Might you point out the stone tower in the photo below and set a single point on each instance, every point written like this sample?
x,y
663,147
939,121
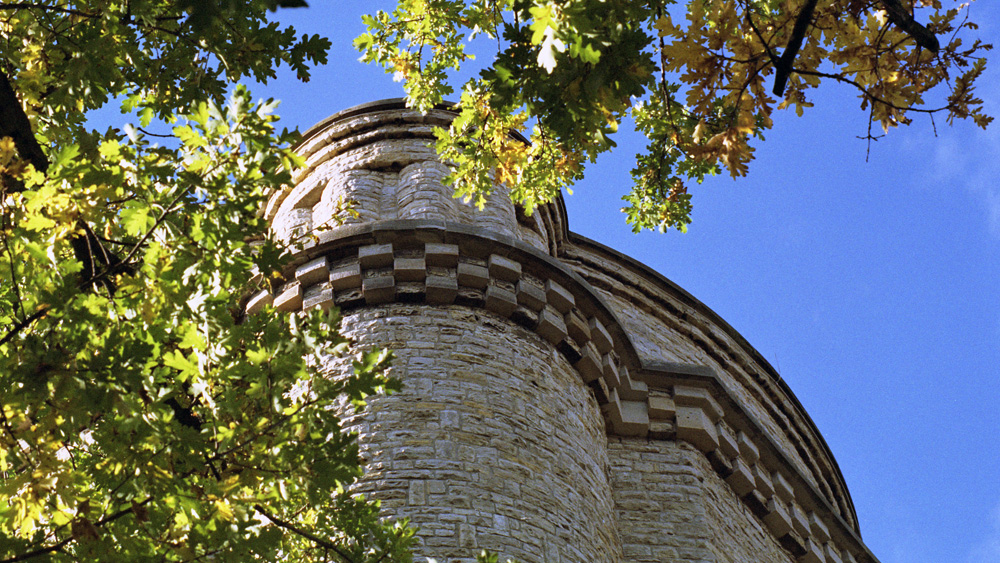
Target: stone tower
x,y
562,402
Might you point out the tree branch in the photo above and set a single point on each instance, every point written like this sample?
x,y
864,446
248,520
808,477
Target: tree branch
x,y
783,68
14,124
57,546
903,19
21,326
295,530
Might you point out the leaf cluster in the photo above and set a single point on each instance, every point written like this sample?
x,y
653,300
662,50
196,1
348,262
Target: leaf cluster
x,y
144,416
692,76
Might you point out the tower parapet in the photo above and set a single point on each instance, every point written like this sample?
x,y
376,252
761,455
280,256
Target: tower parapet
x,y
561,402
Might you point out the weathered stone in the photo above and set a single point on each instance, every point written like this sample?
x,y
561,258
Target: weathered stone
x,y
610,370
313,272
799,520
661,407
778,520
782,487
317,296
748,449
500,301
471,275
530,295
439,254
375,256
589,364
814,552
818,528
259,301
698,397
409,269
831,553
290,299
763,479
379,289
600,335
551,326
441,290
559,297
727,441
504,268
741,479
346,277
577,327
696,427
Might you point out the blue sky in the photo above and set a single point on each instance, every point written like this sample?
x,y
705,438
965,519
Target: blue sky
x,y
873,288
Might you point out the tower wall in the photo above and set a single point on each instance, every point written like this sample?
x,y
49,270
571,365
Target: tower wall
x,y
561,402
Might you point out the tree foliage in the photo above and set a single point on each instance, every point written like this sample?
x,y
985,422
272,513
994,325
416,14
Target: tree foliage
x,y
694,77
144,417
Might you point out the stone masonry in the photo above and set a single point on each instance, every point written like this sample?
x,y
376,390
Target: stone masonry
x,y
562,402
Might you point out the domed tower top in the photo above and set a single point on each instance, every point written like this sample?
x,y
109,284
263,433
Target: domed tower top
x,y
380,157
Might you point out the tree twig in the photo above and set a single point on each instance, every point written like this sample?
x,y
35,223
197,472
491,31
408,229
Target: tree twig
x,y
298,531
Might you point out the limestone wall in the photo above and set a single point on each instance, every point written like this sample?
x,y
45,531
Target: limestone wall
x,y
494,441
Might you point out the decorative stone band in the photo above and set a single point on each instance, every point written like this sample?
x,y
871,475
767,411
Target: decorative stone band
x,y
441,263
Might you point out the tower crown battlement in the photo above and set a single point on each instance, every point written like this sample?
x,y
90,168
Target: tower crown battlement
x,y
561,402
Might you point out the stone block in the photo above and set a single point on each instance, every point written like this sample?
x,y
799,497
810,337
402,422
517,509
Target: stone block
x,y
748,449
777,520
720,463
793,543
661,407
409,269
741,480
628,418
381,289
442,255
763,478
600,335
346,277
610,369
259,301
589,364
698,397
819,529
601,391
500,301
799,520
814,552
848,557
661,430
441,290
782,487
559,297
375,256
417,494
530,295
551,326
471,275
313,272
504,268
631,389
577,327
756,503
290,299
315,296
696,427
727,441
831,553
